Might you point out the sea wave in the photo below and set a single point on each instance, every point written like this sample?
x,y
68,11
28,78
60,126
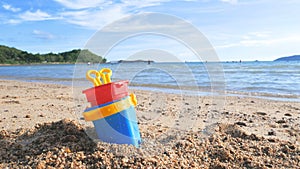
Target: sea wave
x,y
266,79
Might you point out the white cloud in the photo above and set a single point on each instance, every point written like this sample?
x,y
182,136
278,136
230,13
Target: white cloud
x,y
43,35
10,8
94,19
261,39
270,41
253,42
13,21
251,35
142,4
257,39
84,4
96,14
147,23
230,1
229,45
36,16
81,4
89,14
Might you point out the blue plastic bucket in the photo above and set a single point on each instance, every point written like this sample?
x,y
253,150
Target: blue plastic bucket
x,y
119,128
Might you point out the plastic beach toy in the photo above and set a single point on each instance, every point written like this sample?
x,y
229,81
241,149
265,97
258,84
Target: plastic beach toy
x,y
112,111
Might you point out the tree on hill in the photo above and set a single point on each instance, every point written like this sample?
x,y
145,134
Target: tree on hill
x,y
9,55
87,56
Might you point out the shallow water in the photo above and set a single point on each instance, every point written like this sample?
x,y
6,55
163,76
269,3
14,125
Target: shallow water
x,y
279,80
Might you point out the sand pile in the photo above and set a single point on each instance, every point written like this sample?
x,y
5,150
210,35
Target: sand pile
x,y
64,144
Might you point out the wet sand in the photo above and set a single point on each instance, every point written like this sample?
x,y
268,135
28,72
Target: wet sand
x,y
40,127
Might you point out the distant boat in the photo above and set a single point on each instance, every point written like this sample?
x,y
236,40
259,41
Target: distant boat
x,y
136,61
113,62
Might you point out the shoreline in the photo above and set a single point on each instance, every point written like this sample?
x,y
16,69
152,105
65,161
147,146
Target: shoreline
x,y
170,89
37,64
244,131
45,64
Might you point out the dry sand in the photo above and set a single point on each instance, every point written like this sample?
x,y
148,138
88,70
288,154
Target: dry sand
x,y
40,127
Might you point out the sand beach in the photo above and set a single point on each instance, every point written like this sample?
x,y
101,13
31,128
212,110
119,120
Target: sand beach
x,y
40,127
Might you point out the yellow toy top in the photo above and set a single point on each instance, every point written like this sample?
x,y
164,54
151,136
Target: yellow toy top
x,y
101,77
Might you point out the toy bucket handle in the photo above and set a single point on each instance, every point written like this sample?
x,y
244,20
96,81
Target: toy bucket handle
x,y
95,80
105,75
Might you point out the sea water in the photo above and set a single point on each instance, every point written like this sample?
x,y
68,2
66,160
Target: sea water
x,y
268,79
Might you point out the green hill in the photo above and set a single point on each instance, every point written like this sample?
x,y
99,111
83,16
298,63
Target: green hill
x,y
289,58
9,55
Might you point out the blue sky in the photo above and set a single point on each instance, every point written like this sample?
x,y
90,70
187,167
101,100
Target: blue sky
x,y
237,29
